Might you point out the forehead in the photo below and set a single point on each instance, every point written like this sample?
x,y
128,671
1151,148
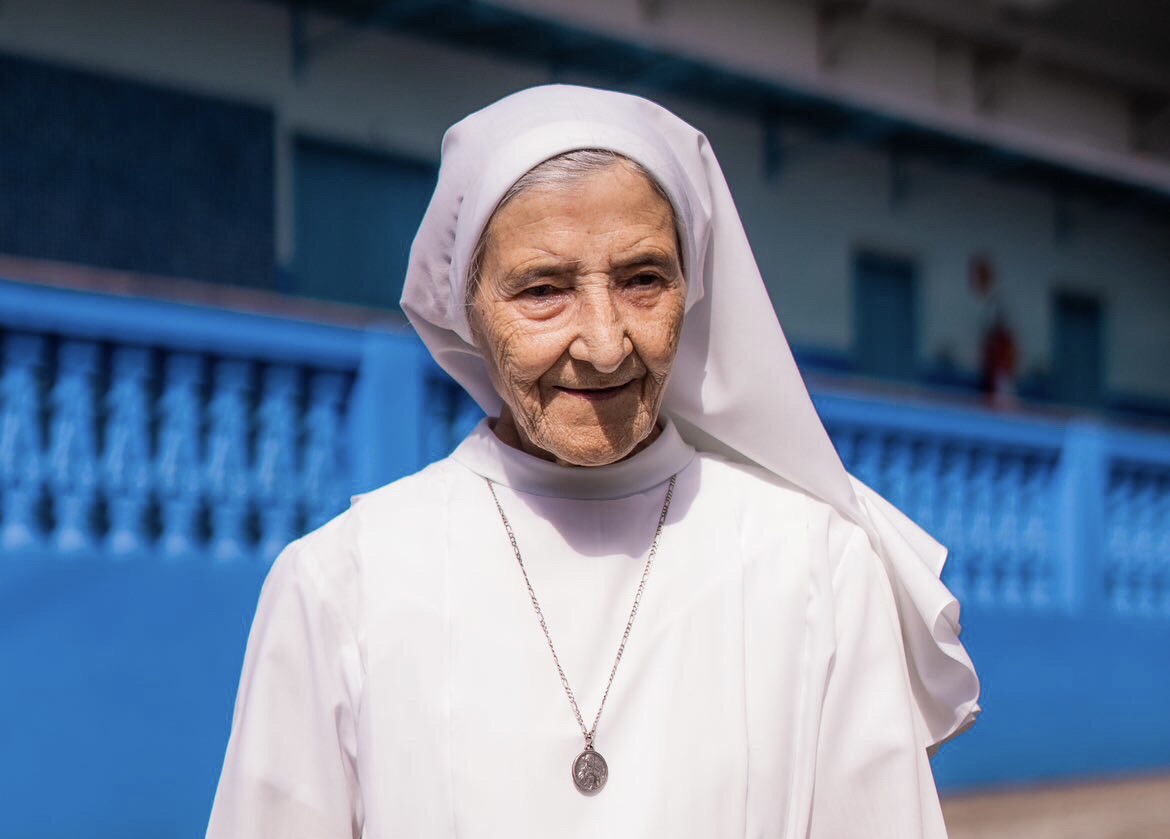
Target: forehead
x,y
614,205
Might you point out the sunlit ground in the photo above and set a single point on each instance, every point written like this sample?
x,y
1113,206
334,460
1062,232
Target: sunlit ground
x,y
1132,809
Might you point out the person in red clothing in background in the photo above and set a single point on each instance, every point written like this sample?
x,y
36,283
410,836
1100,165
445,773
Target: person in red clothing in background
x,y
999,352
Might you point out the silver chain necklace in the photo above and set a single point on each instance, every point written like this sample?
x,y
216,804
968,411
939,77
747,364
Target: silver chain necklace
x,y
590,771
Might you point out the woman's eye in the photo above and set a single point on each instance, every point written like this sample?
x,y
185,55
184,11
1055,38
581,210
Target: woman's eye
x,y
540,291
644,280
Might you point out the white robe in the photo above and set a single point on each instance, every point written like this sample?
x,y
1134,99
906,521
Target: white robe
x,y
397,682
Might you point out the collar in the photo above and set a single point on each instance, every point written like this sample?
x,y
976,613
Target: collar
x,y
486,455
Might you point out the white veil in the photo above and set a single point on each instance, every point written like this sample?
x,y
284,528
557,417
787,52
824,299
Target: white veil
x,y
735,389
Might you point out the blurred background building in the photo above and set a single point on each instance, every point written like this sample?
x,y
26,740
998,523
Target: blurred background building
x,y
961,209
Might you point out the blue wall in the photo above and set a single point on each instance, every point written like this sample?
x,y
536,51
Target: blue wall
x,y
1064,697
118,689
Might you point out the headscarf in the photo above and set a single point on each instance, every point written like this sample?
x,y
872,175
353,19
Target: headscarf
x,y
735,389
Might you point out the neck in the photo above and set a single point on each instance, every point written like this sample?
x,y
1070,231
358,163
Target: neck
x,y
510,433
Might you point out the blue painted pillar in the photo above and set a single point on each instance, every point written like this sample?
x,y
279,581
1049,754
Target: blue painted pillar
x,y
1080,517
387,413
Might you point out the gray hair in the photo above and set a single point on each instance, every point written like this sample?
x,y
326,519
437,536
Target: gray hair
x,y
563,170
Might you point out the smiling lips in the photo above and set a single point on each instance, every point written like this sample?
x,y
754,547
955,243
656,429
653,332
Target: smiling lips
x,y
596,394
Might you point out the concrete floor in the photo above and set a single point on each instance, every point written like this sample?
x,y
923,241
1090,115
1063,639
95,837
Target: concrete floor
x,y
1128,809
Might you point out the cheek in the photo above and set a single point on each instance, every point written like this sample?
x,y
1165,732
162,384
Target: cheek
x,y
660,338
520,356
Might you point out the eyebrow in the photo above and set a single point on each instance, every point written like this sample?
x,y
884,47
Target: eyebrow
x,y
661,261
554,270
543,272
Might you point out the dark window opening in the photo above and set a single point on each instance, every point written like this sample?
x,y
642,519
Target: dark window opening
x,y
885,316
356,216
1077,347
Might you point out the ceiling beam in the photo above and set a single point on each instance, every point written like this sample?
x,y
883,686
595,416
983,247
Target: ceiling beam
x,y
983,25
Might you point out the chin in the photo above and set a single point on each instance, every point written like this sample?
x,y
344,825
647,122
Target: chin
x,y
593,448
592,457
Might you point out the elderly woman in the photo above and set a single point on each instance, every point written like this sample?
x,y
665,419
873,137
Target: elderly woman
x,y
643,599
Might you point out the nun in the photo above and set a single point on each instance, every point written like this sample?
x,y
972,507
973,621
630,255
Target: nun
x,y
643,598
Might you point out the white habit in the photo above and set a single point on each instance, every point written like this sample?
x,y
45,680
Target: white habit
x,y
794,655
397,682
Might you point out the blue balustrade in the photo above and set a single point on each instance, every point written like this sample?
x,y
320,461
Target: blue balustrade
x,y
134,428
983,485
154,458
21,441
1136,525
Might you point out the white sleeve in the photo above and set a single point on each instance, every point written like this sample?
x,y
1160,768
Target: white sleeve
x,y
291,765
873,777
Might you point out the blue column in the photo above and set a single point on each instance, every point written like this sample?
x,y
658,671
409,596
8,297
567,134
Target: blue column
x,y
1080,549
325,466
387,414
227,466
22,455
72,455
274,467
125,462
178,465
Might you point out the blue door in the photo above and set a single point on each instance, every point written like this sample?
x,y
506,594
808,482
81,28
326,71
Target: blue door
x,y
1077,344
885,316
356,215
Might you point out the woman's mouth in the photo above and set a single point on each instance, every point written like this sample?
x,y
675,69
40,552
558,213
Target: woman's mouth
x,y
597,394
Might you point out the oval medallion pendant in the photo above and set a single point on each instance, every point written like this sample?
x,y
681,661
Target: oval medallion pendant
x,y
590,771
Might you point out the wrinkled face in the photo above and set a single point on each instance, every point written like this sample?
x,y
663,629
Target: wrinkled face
x,y
578,312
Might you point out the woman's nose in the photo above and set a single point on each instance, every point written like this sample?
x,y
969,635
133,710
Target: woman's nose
x,y
601,336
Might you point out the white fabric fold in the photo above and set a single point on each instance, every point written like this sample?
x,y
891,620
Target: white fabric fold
x,y
735,389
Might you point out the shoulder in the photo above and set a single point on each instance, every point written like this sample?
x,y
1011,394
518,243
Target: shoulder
x,y
407,495
747,483
379,524
761,500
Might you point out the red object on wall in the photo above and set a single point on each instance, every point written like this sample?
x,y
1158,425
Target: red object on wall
x,y
981,275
